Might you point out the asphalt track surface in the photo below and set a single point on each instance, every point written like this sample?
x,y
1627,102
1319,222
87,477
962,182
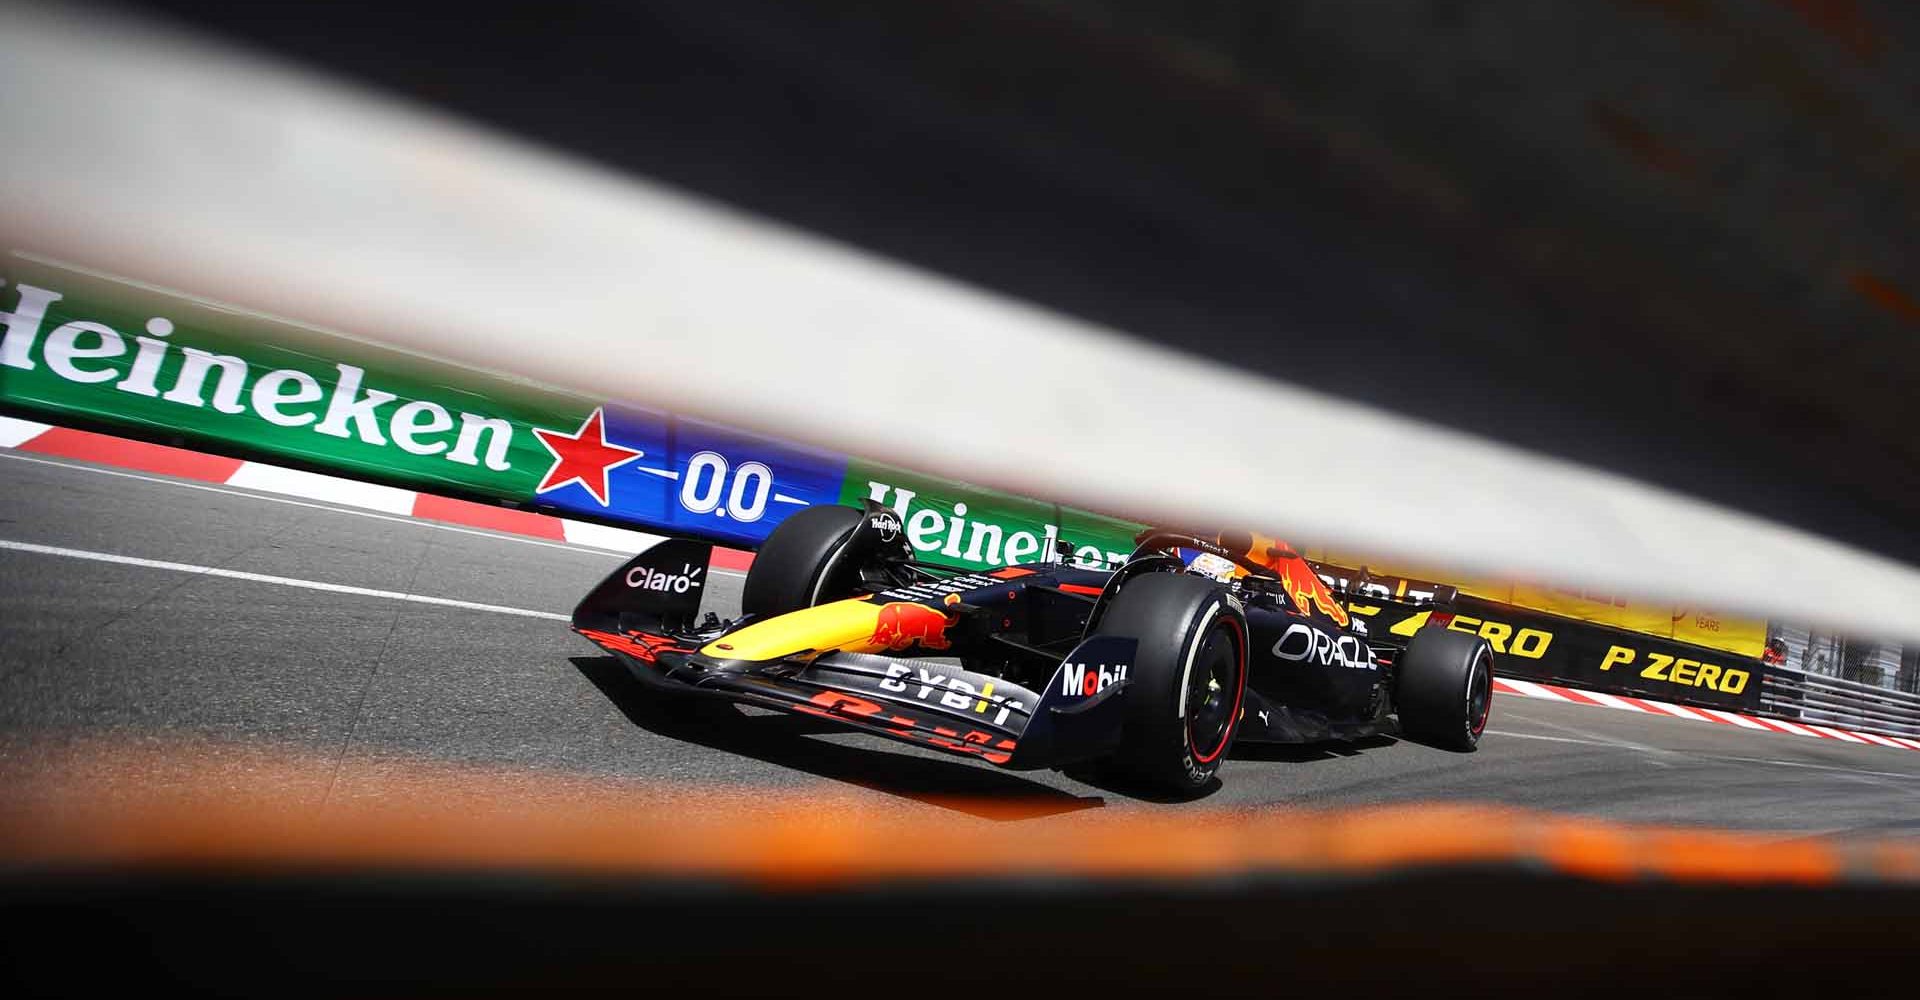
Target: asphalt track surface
x,y
349,640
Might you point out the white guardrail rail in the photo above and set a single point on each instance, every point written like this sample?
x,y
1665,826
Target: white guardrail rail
x,y
1799,696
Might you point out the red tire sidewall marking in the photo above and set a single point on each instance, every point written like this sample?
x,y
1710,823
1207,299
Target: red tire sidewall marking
x,y
1481,656
1239,696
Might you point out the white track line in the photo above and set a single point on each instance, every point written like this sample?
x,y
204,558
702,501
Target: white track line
x,y
1821,767
584,545
333,588
1509,734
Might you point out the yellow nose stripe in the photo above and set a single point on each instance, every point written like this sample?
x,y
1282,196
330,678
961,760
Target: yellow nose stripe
x,y
841,625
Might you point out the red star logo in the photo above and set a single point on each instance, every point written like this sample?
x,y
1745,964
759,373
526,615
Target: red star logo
x,y
583,457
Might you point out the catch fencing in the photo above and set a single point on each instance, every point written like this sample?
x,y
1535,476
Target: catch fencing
x,y
1803,697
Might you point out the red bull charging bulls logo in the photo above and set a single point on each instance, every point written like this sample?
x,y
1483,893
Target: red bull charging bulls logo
x,y
903,623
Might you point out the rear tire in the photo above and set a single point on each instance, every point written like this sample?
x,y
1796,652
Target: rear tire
x,y
796,566
1187,683
1445,688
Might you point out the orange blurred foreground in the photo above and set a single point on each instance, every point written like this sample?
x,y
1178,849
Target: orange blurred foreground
x,y
221,806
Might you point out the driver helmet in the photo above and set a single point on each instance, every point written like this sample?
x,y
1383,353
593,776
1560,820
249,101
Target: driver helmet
x,y
1213,567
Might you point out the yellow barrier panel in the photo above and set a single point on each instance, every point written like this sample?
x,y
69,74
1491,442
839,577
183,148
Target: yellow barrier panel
x,y
1697,626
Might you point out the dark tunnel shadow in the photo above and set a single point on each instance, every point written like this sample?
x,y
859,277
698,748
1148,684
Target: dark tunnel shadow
x,y
1108,780
783,740
1099,774
1307,753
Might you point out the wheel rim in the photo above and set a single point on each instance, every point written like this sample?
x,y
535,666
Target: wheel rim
x,y
1479,694
1214,689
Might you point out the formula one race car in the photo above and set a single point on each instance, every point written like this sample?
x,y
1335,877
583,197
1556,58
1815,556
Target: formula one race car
x,y
1155,666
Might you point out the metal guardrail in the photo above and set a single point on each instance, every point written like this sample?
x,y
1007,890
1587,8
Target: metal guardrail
x,y
1799,696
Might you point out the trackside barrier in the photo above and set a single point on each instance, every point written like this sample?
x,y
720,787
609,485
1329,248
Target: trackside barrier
x,y
79,347
1800,696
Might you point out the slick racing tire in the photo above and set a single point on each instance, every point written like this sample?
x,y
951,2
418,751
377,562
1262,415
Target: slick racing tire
x,y
1187,682
1445,688
796,566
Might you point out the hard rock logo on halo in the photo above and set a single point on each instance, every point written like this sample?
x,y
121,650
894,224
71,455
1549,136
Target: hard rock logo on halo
x,y
904,623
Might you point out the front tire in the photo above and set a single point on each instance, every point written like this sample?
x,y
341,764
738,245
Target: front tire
x,y
1445,688
1187,683
796,566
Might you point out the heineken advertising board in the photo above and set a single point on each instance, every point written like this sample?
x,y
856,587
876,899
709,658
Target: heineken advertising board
x,y
955,524
161,365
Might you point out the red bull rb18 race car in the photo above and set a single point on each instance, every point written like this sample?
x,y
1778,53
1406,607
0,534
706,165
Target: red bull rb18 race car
x,y
1154,666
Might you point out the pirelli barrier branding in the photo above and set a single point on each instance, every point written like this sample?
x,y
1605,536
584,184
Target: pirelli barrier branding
x,y
1687,625
1531,645
1609,659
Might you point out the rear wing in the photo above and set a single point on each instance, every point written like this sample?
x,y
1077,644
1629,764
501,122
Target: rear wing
x,y
1363,585
1388,609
